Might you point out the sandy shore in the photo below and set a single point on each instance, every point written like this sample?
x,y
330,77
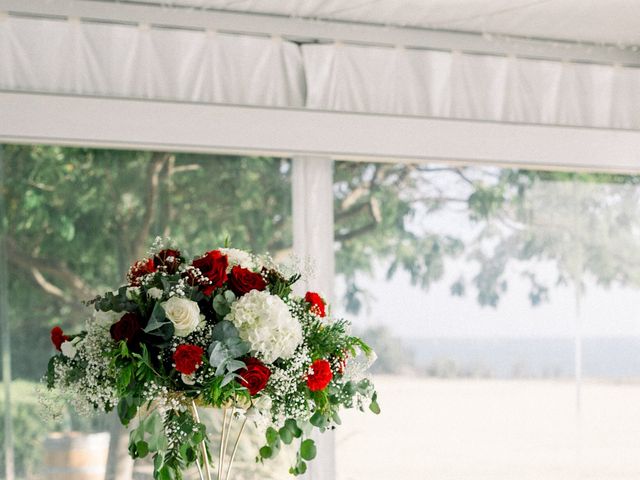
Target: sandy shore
x,y
493,430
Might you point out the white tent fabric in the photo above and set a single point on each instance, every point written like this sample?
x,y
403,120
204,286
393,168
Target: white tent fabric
x,y
601,21
481,87
126,61
72,57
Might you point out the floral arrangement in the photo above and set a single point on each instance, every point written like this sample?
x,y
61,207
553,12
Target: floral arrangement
x,y
223,331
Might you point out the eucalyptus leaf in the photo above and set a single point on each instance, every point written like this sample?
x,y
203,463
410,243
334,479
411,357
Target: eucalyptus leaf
x,y
157,321
218,353
227,379
220,305
224,330
235,365
237,347
272,436
266,452
308,449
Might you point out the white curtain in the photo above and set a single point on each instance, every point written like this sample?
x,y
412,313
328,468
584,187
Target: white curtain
x,y
126,61
480,87
136,62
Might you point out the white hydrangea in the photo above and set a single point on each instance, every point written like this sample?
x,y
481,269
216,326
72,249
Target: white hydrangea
x,y
238,257
265,322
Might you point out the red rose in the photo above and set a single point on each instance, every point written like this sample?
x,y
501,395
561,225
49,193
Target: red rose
x,y
167,258
316,302
213,266
255,377
139,270
320,375
128,328
188,358
243,280
58,337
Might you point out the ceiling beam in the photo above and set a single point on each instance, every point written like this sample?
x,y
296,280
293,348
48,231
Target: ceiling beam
x,y
212,128
310,30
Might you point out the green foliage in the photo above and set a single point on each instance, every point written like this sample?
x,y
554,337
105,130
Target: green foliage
x,y
82,216
278,285
329,339
578,222
226,347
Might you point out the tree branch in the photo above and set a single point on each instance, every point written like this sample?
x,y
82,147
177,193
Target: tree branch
x,y
343,237
158,160
57,270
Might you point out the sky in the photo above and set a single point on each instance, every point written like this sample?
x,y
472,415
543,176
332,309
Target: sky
x,y
411,312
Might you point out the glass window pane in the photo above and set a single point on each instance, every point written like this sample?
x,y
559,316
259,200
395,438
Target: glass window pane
x,y
503,307
76,219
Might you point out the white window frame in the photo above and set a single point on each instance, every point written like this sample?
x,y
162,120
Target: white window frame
x,y
313,139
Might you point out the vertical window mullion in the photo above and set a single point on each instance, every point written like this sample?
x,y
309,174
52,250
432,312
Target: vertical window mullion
x,y
312,198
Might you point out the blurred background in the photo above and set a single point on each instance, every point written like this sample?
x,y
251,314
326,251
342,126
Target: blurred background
x,y
465,175
502,303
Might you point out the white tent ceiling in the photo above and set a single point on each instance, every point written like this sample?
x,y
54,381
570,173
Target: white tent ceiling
x,y
359,79
614,22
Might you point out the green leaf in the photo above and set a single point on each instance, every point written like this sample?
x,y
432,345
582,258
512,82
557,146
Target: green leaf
x,y
158,461
123,408
318,420
374,407
51,372
336,418
266,452
158,323
235,365
188,453
308,449
286,435
291,424
272,436
221,305
224,331
142,449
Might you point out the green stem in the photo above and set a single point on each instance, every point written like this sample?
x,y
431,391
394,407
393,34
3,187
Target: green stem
x,y
203,447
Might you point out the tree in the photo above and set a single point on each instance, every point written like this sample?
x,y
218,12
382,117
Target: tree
x,y
78,217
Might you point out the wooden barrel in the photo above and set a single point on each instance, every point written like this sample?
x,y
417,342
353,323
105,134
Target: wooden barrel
x,y
75,456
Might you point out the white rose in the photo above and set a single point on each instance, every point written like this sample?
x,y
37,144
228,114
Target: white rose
x,y
68,348
183,313
155,293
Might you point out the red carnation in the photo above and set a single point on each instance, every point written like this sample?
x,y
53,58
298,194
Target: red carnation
x,y
139,270
58,337
167,258
188,358
243,280
128,328
213,266
317,304
320,375
255,376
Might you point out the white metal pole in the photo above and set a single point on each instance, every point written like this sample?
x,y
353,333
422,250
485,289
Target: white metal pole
x,y
5,333
312,197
